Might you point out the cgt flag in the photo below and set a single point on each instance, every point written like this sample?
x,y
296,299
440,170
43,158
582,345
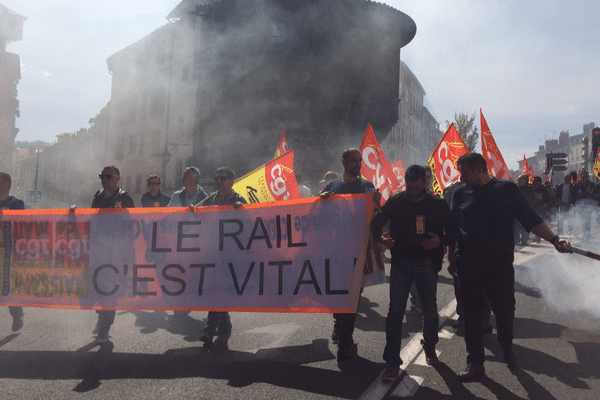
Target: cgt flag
x,y
549,177
282,148
491,152
443,160
596,169
271,182
375,166
398,168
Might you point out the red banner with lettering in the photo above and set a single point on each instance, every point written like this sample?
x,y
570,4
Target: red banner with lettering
x,y
283,147
272,181
375,167
399,171
491,152
443,160
269,257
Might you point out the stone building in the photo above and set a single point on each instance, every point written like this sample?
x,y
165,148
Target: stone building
x,y
219,83
566,143
417,132
11,29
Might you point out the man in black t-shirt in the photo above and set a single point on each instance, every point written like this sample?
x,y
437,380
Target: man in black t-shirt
x,y
111,196
8,202
350,183
420,227
485,209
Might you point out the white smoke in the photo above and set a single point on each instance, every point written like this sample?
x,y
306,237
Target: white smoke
x,y
570,283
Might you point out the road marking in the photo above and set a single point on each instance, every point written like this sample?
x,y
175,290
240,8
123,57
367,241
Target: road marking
x,y
378,389
408,386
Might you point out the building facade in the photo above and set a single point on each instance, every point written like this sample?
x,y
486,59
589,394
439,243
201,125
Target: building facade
x,y
11,29
415,135
571,145
219,83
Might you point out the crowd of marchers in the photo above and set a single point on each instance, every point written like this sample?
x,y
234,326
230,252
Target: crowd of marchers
x,y
473,225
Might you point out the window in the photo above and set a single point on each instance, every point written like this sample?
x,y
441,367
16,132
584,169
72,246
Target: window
x,y
185,73
156,143
141,146
138,183
132,145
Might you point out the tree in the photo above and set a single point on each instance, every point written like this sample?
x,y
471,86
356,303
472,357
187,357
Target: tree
x,y
465,125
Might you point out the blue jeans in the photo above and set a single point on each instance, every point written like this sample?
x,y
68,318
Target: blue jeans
x,y
404,272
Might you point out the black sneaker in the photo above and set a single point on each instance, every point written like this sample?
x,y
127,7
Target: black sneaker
x,y
474,373
207,338
431,356
335,336
511,360
344,354
390,375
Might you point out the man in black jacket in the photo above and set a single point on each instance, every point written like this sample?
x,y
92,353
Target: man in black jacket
x,y
111,196
420,224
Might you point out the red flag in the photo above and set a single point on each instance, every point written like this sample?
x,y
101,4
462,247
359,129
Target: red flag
x,y
283,146
579,175
549,177
491,152
596,169
375,166
398,168
443,160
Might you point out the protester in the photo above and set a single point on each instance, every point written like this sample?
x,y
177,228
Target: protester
x,y
564,196
485,208
8,202
521,235
350,183
191,193
304,190
220,322
420,225
111,196
155,197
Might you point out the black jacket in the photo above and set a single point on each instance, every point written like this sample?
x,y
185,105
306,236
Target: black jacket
x,y
402,213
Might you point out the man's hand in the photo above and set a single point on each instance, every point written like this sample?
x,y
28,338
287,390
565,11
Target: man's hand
x,y
377,197
237,205
562,246
387,240
72,209
452,269
325,195
432,243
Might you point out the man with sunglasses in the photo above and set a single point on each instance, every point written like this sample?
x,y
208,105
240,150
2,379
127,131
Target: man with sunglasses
x,y
219,322
155,197
111,196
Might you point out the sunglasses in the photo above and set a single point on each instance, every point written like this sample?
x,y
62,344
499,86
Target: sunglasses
x,y
221,178
108,177
153,183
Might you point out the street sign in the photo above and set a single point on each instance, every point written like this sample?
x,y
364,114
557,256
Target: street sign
x,y
556,162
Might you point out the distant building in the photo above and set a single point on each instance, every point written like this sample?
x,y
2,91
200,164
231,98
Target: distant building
x,y
11,29
220,82
417,132
567,144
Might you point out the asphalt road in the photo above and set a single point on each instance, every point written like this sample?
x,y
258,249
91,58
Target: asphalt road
x,y
152,355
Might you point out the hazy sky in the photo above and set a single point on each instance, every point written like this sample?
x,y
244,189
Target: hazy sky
x,y
532,66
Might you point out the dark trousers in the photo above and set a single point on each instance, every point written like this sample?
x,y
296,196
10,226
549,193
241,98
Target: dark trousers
x,y
105,320
497,281
344,325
